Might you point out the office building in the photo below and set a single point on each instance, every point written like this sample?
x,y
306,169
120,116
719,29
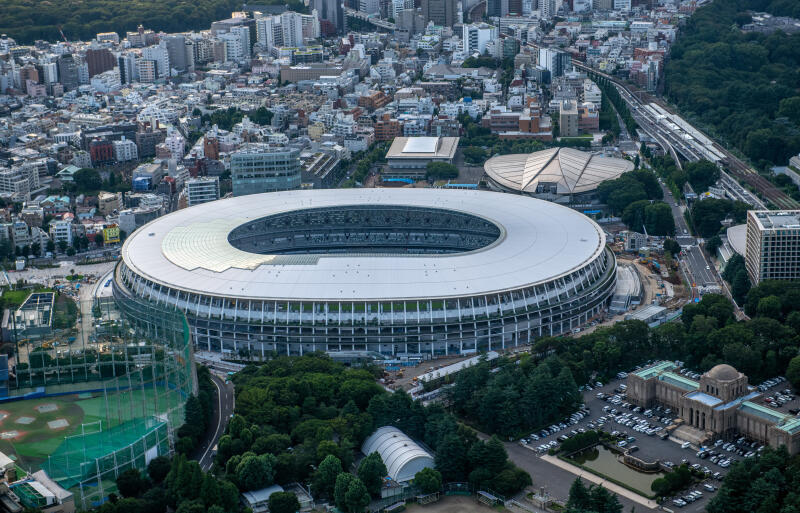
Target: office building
x,y
257,168
175,45
773,245
622,5
202,190
331,15
476,36
555,61
369,6
68,72
440,12
497,8
568,118
99,60
721,404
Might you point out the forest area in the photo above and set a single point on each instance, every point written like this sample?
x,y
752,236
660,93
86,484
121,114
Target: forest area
x,y
29,20
742,86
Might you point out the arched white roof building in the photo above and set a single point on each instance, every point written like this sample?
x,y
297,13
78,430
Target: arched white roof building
x,y
556,171
402,456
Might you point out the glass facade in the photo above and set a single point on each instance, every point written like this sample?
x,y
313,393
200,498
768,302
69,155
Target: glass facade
x,y
259,168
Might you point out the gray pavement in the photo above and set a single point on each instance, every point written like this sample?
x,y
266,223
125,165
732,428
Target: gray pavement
x,y
557,480
703,274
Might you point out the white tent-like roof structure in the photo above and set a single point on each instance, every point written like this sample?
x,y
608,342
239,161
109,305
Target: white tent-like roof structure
x,y
572,171
402,456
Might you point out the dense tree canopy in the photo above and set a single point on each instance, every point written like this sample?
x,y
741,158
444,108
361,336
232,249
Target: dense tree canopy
x,y
742,85
27,21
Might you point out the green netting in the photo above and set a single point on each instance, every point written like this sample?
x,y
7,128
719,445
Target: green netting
x,y
86,457
130,364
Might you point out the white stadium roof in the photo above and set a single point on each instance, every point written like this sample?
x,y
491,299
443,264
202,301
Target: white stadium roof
x,y
189,249
573,171
402,456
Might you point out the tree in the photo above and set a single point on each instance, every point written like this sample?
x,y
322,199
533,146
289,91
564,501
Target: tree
x,y
62,245
770,306
255,472
430,480
343,482
87,180
283,502
713,244
702,174
130,483
50,246
158,468
70,251
371,471
440,171
325,476
357,496
36,249
672,246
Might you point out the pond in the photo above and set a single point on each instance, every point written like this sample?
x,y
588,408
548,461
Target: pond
x,y
604,461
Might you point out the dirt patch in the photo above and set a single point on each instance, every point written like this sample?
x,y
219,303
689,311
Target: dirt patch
x,y
8,435
452,504
24,420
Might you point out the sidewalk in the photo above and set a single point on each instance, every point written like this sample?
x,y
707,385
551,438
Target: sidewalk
x,y
599,480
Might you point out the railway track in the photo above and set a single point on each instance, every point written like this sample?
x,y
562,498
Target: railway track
x,y
734,166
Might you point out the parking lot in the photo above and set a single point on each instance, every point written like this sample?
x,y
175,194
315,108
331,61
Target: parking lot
x,y
607,410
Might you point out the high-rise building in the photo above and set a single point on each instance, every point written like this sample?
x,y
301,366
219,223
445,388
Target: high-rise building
x,y
515,7
331,15
476,36
68,72
176,50
257,168
496,8
202,190
159,55
237,44
440,12
128,72
99,60
568,118
369,6
773,245
555,61
547,9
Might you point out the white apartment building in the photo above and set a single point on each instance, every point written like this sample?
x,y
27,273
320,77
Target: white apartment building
x,y
202,190
19,181
176,144
125,150
622,5
61,231
476,36
592,93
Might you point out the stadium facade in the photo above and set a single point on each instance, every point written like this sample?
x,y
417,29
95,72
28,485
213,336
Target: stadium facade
x,y
386,270
562,175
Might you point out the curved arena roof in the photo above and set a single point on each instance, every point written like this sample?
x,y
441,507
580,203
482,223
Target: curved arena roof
x,y
191,250
573,171
402,456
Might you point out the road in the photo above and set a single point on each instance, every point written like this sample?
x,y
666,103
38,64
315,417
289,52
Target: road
x,y
701,272
223,409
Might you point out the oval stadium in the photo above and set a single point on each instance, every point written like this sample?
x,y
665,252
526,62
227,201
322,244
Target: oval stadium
x,y
381,270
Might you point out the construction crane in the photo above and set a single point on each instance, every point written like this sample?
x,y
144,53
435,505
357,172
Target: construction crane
x,y
62,34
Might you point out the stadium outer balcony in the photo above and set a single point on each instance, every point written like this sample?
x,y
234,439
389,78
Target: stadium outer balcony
x,y
443,326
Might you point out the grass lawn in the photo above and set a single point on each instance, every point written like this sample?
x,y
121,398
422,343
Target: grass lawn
x,y
17,297
37,440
